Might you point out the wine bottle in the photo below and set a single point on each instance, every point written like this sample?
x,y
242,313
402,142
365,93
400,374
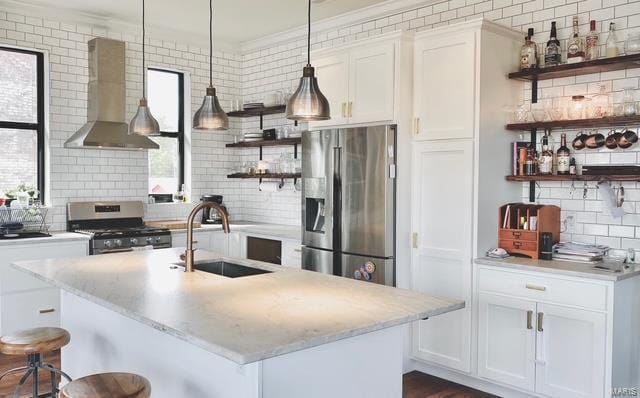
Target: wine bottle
x,y
564,156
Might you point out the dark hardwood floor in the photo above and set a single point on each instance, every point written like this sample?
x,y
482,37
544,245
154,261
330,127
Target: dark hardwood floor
x,y
9,383
420,385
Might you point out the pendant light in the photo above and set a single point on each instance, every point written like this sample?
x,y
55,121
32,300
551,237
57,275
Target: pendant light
x,y
210,116
308,103
143,123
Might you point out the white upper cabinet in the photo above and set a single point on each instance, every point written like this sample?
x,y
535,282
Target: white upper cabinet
x,y
332,73
360,80
444,81
371,84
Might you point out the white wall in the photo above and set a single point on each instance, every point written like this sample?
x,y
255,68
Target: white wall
x,y
264,66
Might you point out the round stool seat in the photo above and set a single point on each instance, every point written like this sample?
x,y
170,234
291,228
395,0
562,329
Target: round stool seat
x,y
108,385
33,341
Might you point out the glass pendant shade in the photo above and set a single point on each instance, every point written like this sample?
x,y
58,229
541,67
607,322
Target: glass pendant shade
x,y
308,103
143,123
210,116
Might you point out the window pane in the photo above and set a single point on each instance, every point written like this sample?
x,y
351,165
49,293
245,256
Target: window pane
x,y
164,99
164,166
18,87
18,159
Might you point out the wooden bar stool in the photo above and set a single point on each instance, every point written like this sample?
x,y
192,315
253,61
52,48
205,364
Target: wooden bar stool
x,y
108,385
33,343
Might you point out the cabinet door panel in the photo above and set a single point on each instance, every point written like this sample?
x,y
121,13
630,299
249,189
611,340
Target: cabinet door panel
x,y
371,84
202,240
444,81
441,258
570,352
504,322
26,310
333,79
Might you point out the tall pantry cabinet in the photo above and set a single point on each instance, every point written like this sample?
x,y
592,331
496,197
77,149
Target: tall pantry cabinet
x,y
459,162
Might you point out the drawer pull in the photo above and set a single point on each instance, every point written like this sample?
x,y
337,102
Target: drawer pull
x,y
47,311
517,245
516,234
540,320
297,250
536,287
529,319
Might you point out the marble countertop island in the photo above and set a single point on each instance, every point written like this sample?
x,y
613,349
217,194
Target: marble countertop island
x,y
245,319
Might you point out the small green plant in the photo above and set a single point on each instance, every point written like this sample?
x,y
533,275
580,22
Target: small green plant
x,y
22,187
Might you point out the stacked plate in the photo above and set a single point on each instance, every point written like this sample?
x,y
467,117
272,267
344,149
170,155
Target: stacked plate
x,y
253,136
253,105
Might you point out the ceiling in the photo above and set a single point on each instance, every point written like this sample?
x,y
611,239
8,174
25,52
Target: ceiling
x,y
235,21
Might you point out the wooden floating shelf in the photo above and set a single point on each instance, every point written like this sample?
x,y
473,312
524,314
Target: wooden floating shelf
x,y
541,178
580,68
267,110
267,175
613,121
256,144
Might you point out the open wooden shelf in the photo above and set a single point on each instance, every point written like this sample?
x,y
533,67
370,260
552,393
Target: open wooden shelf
x,y
267,110
278,176
256,144
580,68
619,178
613,121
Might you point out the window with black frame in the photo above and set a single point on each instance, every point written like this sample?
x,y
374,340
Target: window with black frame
x,y
21,123
165,93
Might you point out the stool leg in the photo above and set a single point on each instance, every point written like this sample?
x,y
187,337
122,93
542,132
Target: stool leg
x,y
14,370
22,381
50,368
54,385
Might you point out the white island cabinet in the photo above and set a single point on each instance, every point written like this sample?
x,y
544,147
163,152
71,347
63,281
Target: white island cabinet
x,y
286,333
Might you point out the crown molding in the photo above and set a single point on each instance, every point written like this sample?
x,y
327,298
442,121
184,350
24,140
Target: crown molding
x,y
366,14
112,24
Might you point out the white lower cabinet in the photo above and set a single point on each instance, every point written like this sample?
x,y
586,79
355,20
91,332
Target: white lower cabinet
x,y
202,239
291,254
551,349
26,302
506,322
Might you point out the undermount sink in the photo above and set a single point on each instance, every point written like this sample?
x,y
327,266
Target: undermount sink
x,y
229,270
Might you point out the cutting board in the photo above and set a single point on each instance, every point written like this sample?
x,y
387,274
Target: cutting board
x,y
171,224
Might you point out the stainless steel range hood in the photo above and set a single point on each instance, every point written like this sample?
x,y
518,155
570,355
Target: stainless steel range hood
x,y
105,127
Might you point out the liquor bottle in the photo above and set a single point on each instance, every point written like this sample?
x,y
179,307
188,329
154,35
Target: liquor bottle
x,y
575,46
528,52
612,41
530,163
564,156
554,54
545,162
572,166
592,50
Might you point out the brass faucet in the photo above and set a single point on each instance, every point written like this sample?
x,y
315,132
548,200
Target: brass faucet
x,y
188,253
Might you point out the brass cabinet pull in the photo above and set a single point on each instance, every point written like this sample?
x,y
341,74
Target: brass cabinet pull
x,y
535,287
417,126
344,109
540,320
350,109
529,319
47,311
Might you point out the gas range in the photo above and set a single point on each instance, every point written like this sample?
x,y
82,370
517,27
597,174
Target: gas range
x,y
115,227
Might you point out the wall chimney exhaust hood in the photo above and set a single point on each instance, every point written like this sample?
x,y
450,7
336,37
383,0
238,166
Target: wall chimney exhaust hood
x,y
106,127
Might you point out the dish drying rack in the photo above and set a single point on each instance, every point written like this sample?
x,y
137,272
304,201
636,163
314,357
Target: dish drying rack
x,y
32,219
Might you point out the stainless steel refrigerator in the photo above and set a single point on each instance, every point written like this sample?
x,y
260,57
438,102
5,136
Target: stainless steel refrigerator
x,y
348,202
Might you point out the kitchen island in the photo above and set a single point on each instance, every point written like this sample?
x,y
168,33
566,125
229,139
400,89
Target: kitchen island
x,y
286,333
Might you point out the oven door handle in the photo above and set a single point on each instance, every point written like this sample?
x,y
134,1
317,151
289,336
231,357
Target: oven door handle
x,y
123,250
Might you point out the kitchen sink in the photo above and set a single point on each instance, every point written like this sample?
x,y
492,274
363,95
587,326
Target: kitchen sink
x,y
229,270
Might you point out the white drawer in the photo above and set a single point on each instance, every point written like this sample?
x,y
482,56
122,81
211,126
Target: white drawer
x,y
30,309
544,288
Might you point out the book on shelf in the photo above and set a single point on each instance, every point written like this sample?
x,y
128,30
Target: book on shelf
x,y
516,166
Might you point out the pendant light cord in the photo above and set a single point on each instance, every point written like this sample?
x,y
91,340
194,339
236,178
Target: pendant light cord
x,y
210,43
144,71
309,35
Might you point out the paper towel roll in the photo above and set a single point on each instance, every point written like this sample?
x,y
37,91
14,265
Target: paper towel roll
x,y
270,186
